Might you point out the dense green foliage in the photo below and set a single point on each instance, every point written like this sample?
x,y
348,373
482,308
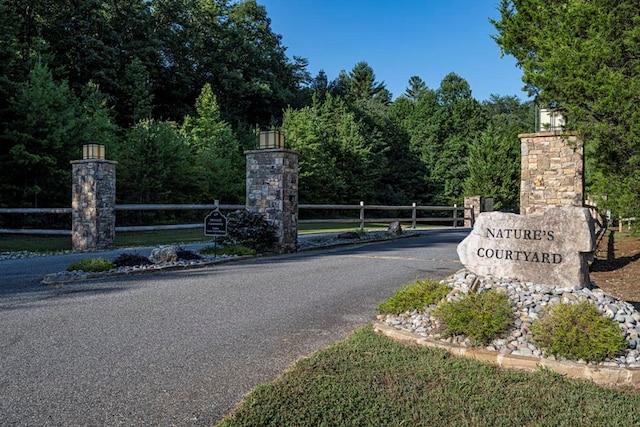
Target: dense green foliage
x,y
92,265
415,296
578,331
238,250
177,91
370,380
250,229
582,57
480,316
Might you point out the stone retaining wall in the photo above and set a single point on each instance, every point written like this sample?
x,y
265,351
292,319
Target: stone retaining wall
x,y
603,375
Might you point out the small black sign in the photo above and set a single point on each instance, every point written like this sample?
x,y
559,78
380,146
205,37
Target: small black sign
x,y
215,224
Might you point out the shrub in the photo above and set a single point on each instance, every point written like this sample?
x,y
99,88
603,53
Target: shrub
x,y
578,331
227,250
415,296
92,265
480,316
187,255
131,260
250,229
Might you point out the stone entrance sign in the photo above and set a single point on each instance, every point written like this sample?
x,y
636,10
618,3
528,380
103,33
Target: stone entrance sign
x,y
553,249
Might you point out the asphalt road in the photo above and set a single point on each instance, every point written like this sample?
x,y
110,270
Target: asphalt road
x,y
182,348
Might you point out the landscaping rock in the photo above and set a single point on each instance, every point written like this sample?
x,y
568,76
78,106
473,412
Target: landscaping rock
x,y
164,254
555,247
395,228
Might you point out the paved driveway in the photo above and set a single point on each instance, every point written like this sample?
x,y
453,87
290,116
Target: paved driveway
x,y
183,347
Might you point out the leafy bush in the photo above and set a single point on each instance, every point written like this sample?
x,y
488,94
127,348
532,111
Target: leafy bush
x,y
415,296
92,265
238,250
578,331
480,316
131,260
187,255
250,229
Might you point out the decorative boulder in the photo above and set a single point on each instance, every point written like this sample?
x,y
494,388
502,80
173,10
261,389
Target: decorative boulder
x,y
554,248
164,254
395,228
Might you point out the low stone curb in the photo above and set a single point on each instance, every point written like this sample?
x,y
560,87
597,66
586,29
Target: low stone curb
x,y
56,279
602,375
330,245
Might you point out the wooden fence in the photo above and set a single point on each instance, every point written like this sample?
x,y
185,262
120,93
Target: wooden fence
x,y
454,218
621,222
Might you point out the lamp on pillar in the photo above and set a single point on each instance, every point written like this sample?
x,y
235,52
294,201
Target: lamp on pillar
x,y
271,139
93,151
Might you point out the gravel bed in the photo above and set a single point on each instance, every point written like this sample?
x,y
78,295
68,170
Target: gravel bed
x,y
529,300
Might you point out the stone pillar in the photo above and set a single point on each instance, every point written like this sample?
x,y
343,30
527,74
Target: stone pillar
x,y
93,204
272,189
479,204
552,171
474,202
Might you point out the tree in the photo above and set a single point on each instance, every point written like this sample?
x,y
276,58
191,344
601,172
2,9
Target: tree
x,y
220,163
336,164
416,88
458,120
582,55
494,168
361,84
38,146
155,165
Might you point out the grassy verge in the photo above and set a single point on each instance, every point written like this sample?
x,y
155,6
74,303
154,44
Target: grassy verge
x,y
19,242
369,379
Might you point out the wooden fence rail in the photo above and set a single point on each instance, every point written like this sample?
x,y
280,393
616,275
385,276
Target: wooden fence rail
x,y
454,218
621,222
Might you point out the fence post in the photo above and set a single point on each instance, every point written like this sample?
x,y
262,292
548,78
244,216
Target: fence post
x,y
413,216
361,216
455,215
619,224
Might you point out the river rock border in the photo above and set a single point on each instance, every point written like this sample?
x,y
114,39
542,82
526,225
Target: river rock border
x,y
515,349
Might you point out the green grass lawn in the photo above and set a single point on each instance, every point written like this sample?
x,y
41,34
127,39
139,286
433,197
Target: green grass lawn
x,y
370,380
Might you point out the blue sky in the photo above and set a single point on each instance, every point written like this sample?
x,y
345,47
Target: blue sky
x,y
399,39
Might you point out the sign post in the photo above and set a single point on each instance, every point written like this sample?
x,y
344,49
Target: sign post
x,y
215,224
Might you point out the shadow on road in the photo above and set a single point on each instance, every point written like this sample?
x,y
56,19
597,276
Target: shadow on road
x,y
18,293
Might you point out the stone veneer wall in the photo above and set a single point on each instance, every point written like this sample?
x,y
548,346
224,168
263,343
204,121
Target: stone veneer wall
x,y
93,204
552,171
478,204
272,189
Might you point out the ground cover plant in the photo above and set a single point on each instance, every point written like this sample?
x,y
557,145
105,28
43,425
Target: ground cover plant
x,y
369,379
238,250
578,331
480,316
415,296
92,265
